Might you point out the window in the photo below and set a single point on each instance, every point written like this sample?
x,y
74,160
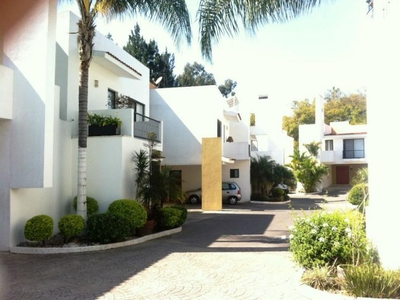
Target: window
x,y
234,173
112,95
329,145
353,148
219,128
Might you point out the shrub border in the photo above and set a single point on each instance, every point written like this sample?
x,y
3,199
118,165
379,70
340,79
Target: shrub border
x,y
57,250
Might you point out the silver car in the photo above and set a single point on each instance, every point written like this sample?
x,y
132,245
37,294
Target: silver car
x,y
231,193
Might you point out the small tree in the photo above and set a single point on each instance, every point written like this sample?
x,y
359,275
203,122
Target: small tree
x,y
307,170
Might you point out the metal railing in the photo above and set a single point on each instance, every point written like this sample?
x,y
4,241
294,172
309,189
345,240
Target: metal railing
x,y
144,125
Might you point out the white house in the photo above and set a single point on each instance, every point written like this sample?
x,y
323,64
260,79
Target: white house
x,y
38,117
267,136
192,113
343,147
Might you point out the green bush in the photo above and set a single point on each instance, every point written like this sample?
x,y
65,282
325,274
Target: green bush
x,y
131,210
39,228
71,225
372,281
108,228
170,218
327,238
358,193
183,215
278,192
92,205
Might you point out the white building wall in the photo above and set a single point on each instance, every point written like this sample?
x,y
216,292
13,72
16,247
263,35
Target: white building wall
x,y
244,177
383,221
27,151
188,114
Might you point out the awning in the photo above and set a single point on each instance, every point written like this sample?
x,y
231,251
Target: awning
x,y
232,116
115,65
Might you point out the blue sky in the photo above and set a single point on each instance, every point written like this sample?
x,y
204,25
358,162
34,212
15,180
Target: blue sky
x,y
300,59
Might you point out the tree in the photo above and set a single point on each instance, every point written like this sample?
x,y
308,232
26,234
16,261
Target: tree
x,y
160,65
195,75
227,88
265,174
307,170
220,18
338,106
313,148
173,15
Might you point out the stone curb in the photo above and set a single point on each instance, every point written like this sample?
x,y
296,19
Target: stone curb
x,y
58,250
270,202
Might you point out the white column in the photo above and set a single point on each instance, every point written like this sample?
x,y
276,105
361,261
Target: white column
x,y
383,221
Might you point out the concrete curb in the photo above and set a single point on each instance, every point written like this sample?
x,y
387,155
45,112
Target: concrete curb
x,y
58,250
270,202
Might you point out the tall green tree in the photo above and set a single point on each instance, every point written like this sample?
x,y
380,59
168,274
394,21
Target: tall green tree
x,y
173,15
227,88
195,75
307,170
338,106
160,64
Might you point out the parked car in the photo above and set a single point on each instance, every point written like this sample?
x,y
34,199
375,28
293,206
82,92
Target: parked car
x,y
283,187
231,194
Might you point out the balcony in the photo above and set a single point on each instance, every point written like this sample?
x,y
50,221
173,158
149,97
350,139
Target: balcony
x,y
6,92
134,124
236,150
327,157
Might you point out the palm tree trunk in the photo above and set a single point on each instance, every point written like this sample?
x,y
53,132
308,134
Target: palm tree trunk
x,y
85,45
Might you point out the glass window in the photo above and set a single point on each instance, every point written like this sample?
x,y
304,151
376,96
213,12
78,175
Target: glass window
x,y
112,95
329,145
353,148
234,173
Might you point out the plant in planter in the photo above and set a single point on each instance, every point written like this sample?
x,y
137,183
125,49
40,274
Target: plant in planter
x,y
103,125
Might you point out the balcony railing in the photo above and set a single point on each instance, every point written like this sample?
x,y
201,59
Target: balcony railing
x,y
353,154
145,125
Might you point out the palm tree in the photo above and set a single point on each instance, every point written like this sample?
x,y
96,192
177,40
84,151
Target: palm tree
x,y
172,14
220,17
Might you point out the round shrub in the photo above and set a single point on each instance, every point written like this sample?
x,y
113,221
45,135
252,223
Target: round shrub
x,y
327,238
131,210
107,228
357,194
92,205
183,215
39,228
170,217
278,192
71,225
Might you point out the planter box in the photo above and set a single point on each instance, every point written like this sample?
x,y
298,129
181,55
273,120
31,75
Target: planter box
x,y
95,130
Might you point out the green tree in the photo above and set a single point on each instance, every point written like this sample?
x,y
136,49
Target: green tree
x,y
313,148
227,88
173,15
195,75
160,64
266,173
338,106
307,170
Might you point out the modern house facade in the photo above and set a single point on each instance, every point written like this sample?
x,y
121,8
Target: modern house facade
x,y
343,147
267,136
190,114
39,111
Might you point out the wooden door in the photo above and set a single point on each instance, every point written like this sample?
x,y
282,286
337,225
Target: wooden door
x,y
342,175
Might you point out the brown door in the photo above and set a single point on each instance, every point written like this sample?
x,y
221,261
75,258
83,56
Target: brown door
x,y
342,175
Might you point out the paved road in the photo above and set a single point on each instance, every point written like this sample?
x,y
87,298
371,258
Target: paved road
x,y
234,254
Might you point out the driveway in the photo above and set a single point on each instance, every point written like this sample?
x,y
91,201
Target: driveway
x,y
237,253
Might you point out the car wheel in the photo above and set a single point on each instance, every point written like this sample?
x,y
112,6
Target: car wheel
x,y
232,200
193,199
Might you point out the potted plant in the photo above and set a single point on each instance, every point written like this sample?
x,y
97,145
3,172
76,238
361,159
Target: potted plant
x,y
103,125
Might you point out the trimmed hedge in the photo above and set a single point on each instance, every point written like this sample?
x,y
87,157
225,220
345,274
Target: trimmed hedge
x,y
71,225
39,228
183,216
357,194
131,210
92,205
108,228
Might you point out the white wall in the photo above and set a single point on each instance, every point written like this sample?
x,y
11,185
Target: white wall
x,y
383,220
189,114
244,177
